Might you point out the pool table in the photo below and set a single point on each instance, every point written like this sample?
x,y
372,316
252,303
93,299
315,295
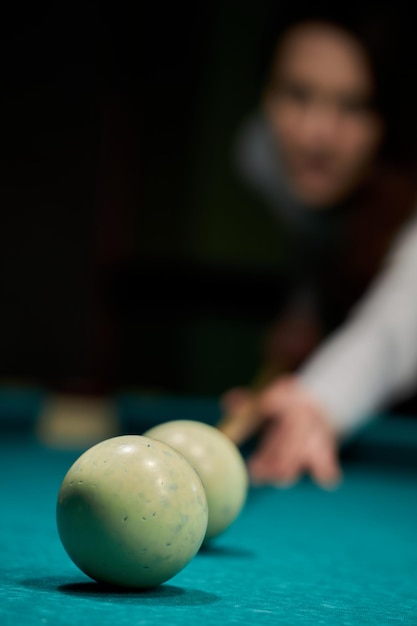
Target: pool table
x,y
295,556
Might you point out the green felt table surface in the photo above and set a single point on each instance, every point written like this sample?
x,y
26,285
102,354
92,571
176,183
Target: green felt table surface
x,y
294,556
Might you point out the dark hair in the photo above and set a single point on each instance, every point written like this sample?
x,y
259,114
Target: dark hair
x,y
387,39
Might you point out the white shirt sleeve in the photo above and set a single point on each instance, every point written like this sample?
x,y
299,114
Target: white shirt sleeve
x,y
372,359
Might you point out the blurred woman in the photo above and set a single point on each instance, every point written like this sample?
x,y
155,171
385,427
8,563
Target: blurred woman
x,y
328,154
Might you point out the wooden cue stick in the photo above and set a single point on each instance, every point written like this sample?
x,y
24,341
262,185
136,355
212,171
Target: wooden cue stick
x,y
244,421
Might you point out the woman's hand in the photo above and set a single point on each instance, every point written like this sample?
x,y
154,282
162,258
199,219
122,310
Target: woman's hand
x,y
296,437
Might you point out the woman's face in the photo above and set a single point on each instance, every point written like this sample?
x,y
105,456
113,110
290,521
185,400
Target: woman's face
x,y
318,106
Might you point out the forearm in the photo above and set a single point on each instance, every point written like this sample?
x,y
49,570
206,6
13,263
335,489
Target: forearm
x,y
372,359
349,378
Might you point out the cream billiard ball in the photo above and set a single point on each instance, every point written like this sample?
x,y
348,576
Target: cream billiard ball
x,y
219,464
131,511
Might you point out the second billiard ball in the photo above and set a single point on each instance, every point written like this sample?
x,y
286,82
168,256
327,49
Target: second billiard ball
x,y
219,464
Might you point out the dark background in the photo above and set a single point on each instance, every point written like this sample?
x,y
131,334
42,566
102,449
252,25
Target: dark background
x,y
131,255
117,163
